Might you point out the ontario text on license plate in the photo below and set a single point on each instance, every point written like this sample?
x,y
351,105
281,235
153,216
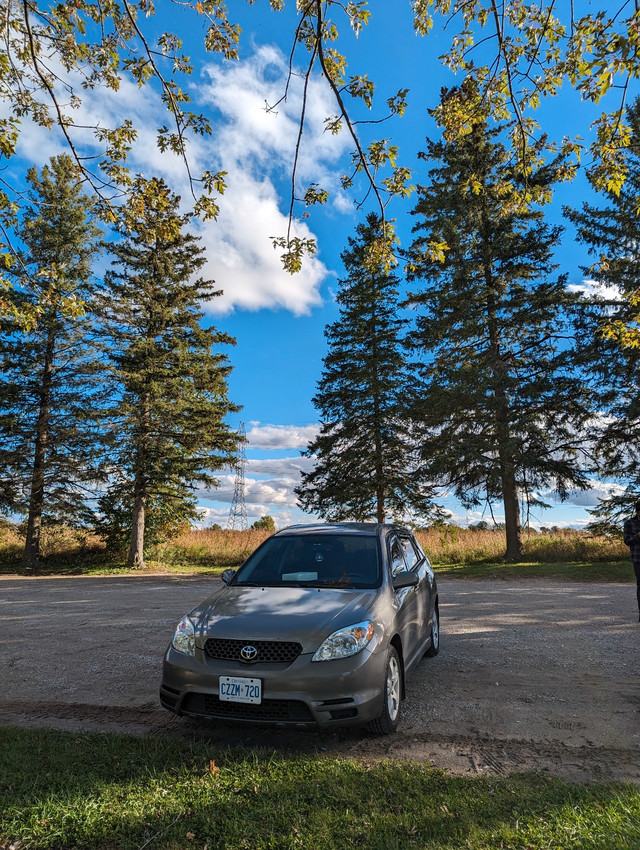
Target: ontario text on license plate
x,y
238,689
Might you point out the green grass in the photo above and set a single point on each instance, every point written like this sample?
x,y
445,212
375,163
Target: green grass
x,y
59,790
600,572
616,571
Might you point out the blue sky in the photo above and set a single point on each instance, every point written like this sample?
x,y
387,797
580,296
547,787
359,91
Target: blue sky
x,y
278,319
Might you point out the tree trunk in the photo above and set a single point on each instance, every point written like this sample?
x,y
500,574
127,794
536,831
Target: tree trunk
x,y
502,425
136,546
379,467
380,504
511,511
31,555
508,482
379,461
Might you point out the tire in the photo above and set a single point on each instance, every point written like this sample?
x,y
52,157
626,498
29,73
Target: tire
x,y
387,722
434,646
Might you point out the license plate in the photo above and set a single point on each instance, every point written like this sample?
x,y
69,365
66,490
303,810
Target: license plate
x,y
238,689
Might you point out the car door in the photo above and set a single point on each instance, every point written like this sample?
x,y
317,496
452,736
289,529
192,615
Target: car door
x,y
406,601
417,562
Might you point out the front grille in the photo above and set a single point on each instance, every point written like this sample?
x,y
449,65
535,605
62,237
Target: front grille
x,y
268,651
274,710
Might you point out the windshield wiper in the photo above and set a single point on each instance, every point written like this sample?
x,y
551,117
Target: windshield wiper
x,y
252,584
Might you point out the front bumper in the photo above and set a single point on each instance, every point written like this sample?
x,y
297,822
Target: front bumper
x,y
344,692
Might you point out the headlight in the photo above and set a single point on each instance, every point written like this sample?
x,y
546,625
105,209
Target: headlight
x,y
184,638
345,642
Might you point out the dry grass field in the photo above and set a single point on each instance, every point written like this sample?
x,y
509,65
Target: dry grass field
x,y
55,541
446,545
210,546
453,545
75,551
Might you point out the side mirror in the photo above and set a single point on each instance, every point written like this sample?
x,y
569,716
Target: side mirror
x,y
405,579
227,575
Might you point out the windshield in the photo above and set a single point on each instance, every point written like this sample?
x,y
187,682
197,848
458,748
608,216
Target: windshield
x,y
322,560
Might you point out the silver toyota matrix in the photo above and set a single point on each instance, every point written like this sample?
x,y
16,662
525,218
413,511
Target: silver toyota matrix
x,y
321,625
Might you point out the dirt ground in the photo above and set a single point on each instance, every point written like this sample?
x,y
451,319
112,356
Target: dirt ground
x,y
532,675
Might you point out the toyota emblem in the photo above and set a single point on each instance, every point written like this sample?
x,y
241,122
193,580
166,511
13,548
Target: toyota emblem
x,y
248,653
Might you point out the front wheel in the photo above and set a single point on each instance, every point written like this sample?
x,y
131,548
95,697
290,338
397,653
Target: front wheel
x,y
389,717
435,634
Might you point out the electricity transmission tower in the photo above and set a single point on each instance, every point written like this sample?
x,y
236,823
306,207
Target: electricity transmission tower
x,y
238,514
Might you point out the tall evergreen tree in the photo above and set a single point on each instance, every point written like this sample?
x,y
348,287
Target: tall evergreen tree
x,y
367,463
49,375
608,325
501,410
169,423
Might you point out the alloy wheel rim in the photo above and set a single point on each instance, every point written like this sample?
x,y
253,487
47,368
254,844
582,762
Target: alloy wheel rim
x,y
435,631
393,688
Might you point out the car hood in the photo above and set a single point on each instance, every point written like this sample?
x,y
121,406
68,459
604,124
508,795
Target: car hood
x,y
303,614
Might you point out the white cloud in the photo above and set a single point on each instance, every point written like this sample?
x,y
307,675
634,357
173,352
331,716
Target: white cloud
x,y
269,482
211,516
264,136
593,289
284,467
104,108
276,491
588,498
242,259
222,493
285,517
260,494
281,436
597,490
256,148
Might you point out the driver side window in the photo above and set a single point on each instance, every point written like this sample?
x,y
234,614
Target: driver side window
x,y
411,555
396,558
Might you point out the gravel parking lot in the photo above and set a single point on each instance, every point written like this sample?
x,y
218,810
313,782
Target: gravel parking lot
x,y
531,674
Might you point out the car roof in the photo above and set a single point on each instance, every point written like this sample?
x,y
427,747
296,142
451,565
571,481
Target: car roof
x,y
361,528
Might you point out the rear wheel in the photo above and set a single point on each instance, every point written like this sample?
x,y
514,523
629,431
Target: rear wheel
x,y
435,634
389,717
